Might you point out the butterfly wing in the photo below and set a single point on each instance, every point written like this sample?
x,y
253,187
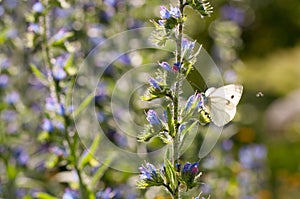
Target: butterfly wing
x,y
222,102
221,110
231,92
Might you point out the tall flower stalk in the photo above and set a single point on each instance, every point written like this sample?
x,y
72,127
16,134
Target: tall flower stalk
x,y
177,121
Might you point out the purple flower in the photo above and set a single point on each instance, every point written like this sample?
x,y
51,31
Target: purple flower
x,y
21,156
252,156
164,13
58,73
5,64
61,33
187,45
51,104
233,13
58,151
33,27
70,194
152,117
9,115
154,83
189,173
38,7
107,193
47,125
175,12
165,66
1,11
148,172
4,79
12,98
176,66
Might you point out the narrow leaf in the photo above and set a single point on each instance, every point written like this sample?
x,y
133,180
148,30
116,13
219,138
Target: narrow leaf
x,y
39,74
41,195
84,104
99,173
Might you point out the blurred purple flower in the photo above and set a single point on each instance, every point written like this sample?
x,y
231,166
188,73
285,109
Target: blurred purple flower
x,y
70,194
47,125
12,98
4,80
253,156
233,13
21,156
107,193
58,151
5,64
59,125
38,7
164,13
61,33
58,73
33,27
227,144
9,115
1,10
11,4
152,117
51,104
124,59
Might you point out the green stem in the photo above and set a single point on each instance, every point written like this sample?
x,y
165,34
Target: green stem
x,y
55,92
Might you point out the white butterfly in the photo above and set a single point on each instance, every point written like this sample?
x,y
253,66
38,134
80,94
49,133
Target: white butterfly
x,y
221,103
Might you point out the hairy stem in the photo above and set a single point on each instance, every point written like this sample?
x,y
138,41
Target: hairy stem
x,y
176,141
55,92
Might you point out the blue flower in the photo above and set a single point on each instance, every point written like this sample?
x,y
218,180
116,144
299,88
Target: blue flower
x,y
33,27
58,73
165,66
176,66
164,13
12,98
252,156
4,79
148,172
189,173
70,194
107,193
21,156
58,151
47,125
187,45
175,12
152,117
154,83
38,7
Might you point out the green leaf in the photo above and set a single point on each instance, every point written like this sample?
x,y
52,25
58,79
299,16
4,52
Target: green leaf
x,y
87,156
69,66
170,122
39,74
99,173
171,174
11,171
60,42
42,195
84,104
